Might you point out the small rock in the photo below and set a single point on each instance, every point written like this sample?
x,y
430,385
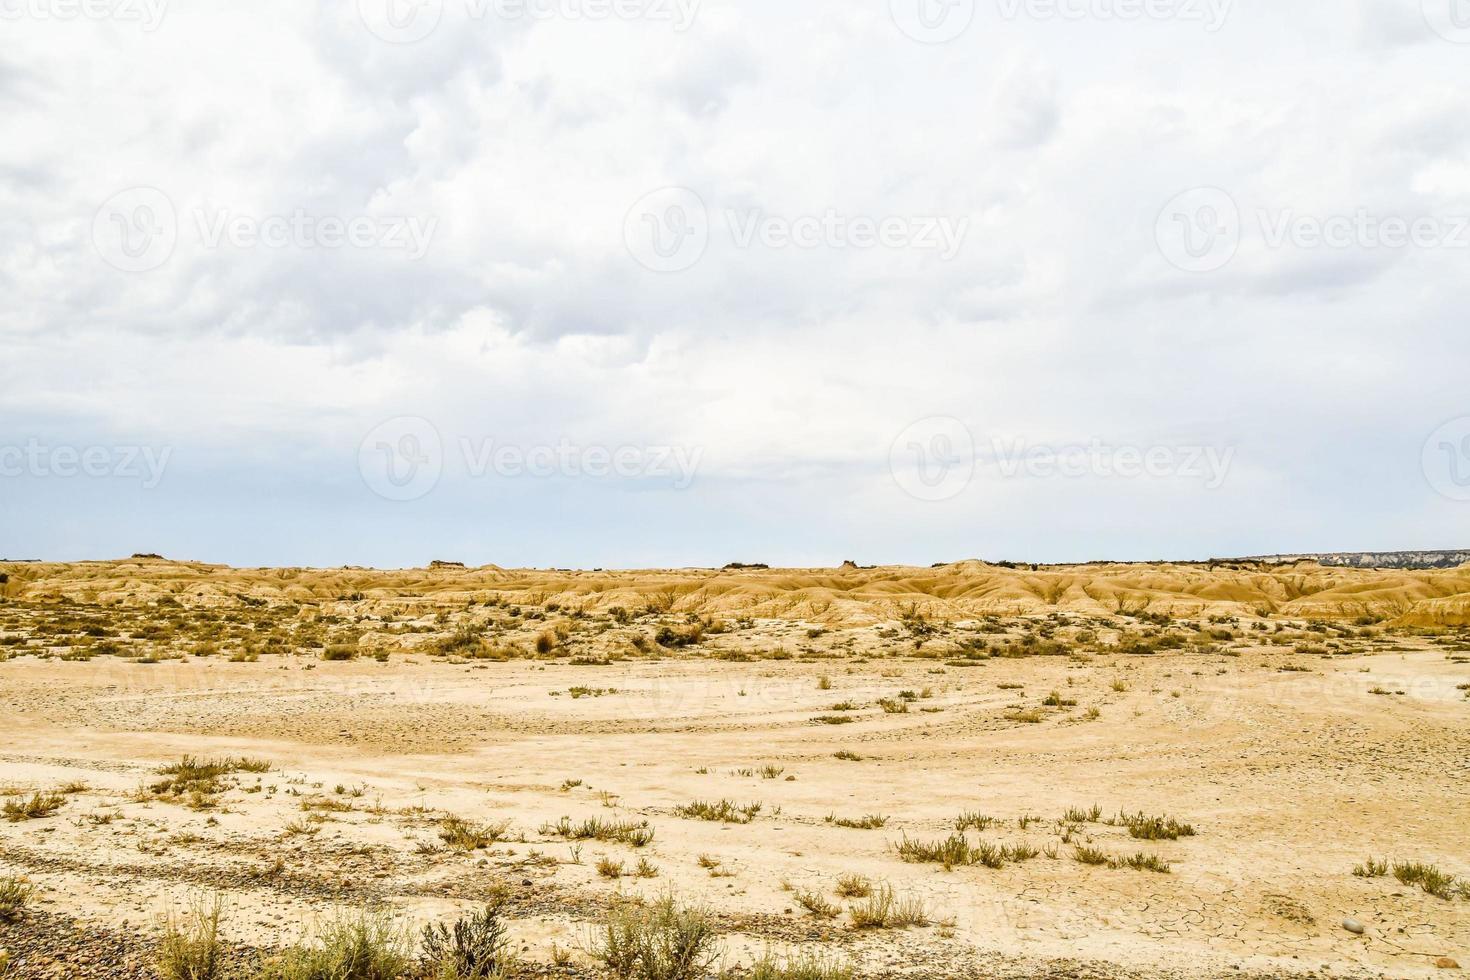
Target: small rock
x,y
1445,963
1353,926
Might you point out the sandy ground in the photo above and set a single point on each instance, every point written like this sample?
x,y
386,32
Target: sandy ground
x,y
1286,763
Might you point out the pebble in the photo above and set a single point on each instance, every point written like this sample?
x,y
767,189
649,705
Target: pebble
x,y
1353,926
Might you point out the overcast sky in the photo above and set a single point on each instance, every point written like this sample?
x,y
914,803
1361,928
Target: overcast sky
x,y
611,283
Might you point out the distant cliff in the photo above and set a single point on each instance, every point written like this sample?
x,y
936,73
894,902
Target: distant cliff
x,y
1377,559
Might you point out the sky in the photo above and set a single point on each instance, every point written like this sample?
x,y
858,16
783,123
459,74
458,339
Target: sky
x,y
638,283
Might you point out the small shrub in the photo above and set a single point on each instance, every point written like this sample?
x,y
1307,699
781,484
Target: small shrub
x,y
884,909
854,886
971,820
15,895
800,966
190,948
723,811
465,835
621,832
1143,827
658,942
39,805
1142,862
816,904
364,945
475,949
1427,877
871,821
1372,868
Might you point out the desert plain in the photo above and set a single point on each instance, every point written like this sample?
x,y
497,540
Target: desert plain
x,y
1232,769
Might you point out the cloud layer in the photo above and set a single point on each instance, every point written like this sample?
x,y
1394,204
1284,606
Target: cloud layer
x,y
893,280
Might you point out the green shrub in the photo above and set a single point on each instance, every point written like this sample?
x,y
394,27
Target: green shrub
x,y
39,805
190,948
476,947
366,945
15,895
800,966
658,942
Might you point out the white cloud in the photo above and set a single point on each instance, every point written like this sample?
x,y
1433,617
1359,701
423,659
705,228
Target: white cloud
x,y
1055,142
